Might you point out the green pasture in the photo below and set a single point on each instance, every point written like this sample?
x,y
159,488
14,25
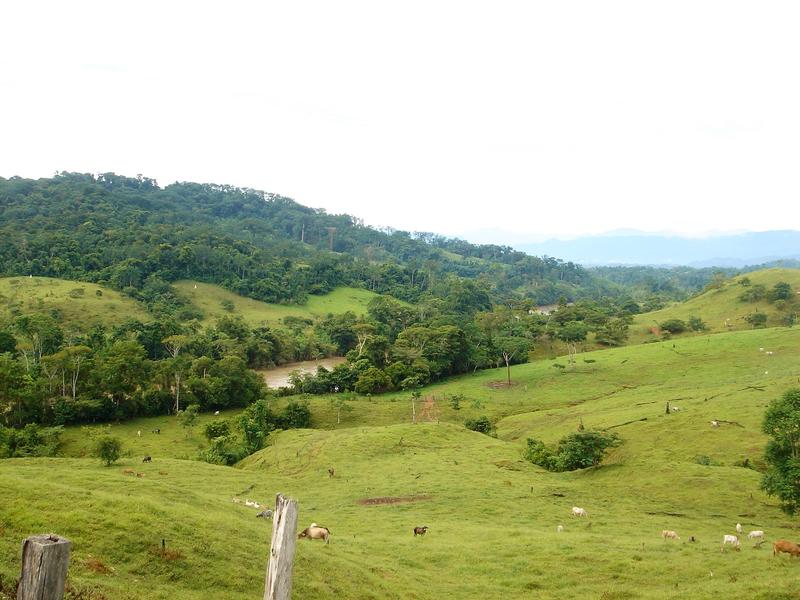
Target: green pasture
x,y
721,308
211,300
77,304
492,516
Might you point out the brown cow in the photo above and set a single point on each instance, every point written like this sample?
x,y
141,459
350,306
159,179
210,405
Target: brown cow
x,y
790,548
420,530
315,532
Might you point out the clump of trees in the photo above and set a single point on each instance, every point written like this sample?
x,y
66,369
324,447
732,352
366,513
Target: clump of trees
x,y
782,454
31,440
575,451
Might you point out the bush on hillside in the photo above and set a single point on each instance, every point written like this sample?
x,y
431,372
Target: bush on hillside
x,y
780,291
482,425
757,320
575,451
216,429
108,449
673,326
697,324
753,293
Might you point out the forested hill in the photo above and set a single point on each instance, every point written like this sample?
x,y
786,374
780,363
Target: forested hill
x,y
131,233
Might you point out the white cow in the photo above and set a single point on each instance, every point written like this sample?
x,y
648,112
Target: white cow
x,y
729,539
579,512
756,534
739,528
560,528
669,534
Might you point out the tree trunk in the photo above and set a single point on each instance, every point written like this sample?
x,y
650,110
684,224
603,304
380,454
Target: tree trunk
x,y
278,585
45,559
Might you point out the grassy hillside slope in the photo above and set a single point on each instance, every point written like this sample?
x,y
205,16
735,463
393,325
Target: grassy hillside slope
x,y
720,308
209,299
492,516
78,303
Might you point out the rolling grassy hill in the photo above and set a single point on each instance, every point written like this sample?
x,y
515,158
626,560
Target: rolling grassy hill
x,y
80,304
210,298
721,308
492,516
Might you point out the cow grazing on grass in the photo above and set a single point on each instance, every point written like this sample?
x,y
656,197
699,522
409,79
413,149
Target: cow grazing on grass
x,y
757,534
316,532
579,512
790,548
730,539
420,530
147,458
265,514
739,528
668,534
560,528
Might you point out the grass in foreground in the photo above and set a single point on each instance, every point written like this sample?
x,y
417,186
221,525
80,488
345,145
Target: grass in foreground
x,y
492,516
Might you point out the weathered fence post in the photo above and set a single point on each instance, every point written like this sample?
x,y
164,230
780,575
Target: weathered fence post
x,y
45,559
281,555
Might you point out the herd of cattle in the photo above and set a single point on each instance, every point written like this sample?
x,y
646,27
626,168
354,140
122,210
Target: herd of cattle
x,y
733,540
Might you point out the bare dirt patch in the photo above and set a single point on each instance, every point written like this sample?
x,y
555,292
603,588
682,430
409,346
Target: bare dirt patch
x,y
496,385
393,499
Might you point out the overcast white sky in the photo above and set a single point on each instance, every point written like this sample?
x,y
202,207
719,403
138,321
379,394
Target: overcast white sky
x,y
538,118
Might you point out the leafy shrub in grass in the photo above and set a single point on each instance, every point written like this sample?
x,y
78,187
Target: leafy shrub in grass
x,y
108,449
673,326
757,320
481,425
575,451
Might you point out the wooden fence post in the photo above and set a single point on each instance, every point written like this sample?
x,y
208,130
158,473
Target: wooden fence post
x,y
281,555
45,559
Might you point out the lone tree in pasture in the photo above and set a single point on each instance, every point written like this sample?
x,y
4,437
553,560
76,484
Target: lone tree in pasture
x,y
108,449
512,348
782,455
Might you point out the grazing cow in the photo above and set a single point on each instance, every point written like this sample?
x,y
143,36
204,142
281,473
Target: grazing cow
x,y
756,534
715,423
729,539
139,433
265,514
420,530
790,548
769,353
147,458
316,532
331,472
237,500
157,430
560,528
739,528
216,413
579,512
249,503
128,472
669,534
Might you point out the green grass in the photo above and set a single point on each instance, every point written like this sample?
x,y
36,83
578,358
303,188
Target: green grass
x,y
77,303
721,308
209,299
492,516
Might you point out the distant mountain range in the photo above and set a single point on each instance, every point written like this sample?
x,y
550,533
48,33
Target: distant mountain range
x,y
738,250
